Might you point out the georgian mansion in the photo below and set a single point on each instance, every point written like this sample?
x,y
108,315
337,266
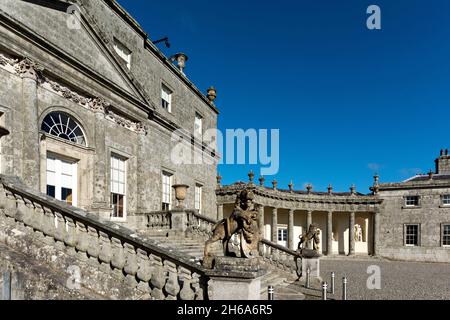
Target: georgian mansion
x,y
88,110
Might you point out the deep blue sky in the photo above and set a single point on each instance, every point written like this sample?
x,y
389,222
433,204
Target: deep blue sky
x,y
348,101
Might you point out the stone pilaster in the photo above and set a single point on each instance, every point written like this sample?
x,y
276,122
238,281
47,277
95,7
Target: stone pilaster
x,y
143,201
274,225
101,201
329,233
29,71
291,229
351,243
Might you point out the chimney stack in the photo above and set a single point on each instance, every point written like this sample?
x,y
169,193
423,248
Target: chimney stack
x,y
443,163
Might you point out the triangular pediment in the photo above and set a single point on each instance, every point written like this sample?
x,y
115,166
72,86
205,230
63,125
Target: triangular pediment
x,y
81,41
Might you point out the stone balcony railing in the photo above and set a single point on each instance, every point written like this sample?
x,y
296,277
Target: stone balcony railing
x,y
201,226
134,260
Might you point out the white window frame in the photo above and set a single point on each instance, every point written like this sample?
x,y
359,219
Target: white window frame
x,y
444,200
406,235
442,234
198,124
412,205
198,195
123,52
166,95
281,230
58,173
166,189
124,183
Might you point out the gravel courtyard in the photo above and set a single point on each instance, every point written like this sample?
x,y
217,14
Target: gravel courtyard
x,y
399,280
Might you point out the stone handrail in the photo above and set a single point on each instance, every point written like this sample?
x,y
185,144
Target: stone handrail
x,y
162,273
278,256
199,225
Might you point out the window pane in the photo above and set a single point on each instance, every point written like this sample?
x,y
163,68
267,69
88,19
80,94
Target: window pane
x,y
51,191
66,195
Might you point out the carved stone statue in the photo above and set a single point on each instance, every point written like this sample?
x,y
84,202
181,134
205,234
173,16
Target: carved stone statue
x,y
312,234
244,222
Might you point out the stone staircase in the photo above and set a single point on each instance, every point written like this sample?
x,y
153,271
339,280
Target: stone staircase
x,y
284,283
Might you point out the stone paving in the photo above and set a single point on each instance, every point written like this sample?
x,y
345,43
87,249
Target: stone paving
x,y
399,280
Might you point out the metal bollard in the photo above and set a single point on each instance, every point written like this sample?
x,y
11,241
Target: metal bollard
x,y
324,290
6,286
333,276
344,288
270,292
308,278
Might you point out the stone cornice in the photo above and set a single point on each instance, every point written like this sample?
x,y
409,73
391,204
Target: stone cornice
x,y
301,198
413,185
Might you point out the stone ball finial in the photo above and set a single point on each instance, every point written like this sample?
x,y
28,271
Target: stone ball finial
x,y
353,189
211,94
330,189
251,175
291,186
261,181
274,184
309,187
430,174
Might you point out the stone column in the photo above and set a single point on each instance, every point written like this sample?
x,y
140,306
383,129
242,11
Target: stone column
x,y
376,232
308,224
30,173
275,225
329,233
291,229
101,201
351,233
219,212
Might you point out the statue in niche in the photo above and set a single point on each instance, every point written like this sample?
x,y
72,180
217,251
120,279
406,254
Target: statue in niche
x,y
358,233
243,225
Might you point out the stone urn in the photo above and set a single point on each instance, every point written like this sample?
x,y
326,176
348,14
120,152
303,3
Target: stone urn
x,y
180,194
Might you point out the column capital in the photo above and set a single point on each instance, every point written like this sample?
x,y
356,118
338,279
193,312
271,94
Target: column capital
x,y
29,69
98,105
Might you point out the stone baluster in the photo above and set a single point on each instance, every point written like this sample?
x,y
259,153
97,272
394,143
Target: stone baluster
x,y
144,273
10,205
172,287
21,209
25,210
186,293
82,240
49,225
105,254
93,247
158,278
118,257
60,228
197,286
38,218
70,238
131,265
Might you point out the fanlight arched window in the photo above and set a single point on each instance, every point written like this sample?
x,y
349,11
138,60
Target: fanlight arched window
x,y
62,125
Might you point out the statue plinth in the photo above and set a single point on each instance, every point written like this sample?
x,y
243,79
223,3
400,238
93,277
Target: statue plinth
x,y
235,279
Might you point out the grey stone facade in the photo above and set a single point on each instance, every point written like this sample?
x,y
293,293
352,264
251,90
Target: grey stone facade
x,y
47,66
430,213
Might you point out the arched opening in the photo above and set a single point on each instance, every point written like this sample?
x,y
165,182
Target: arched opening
x,y
64,126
